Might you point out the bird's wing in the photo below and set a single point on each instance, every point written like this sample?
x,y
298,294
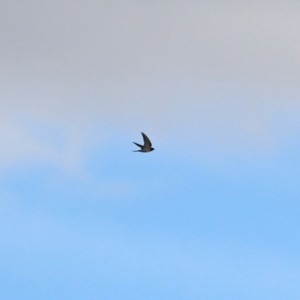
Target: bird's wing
x,y
146,140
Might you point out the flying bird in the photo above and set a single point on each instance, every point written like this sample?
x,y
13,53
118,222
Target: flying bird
x,y
147,147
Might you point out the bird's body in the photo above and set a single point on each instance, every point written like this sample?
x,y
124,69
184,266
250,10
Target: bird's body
x,y
147,147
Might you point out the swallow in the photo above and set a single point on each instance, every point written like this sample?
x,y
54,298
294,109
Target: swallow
x,y
147,147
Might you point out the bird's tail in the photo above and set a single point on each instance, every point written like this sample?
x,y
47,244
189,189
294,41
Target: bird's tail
x,y
138,145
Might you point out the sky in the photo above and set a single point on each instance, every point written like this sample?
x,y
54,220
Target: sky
x,y
212,213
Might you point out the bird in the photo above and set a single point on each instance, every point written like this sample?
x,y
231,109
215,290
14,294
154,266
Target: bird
x,y
147,147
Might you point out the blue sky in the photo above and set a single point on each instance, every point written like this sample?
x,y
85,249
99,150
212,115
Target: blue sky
x,y
212,213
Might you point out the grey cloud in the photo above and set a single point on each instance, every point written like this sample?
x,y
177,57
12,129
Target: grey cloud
x,y
220,71
92,41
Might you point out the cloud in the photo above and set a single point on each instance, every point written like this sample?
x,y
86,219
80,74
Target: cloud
x,y
221,74
90,42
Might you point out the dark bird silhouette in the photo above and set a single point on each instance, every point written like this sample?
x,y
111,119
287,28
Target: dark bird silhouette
x,y
147,147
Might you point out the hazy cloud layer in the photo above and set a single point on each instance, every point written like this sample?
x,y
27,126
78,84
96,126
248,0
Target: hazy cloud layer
x,y
223,74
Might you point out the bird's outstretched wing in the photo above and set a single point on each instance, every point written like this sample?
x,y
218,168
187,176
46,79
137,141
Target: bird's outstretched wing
x,y
146,140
